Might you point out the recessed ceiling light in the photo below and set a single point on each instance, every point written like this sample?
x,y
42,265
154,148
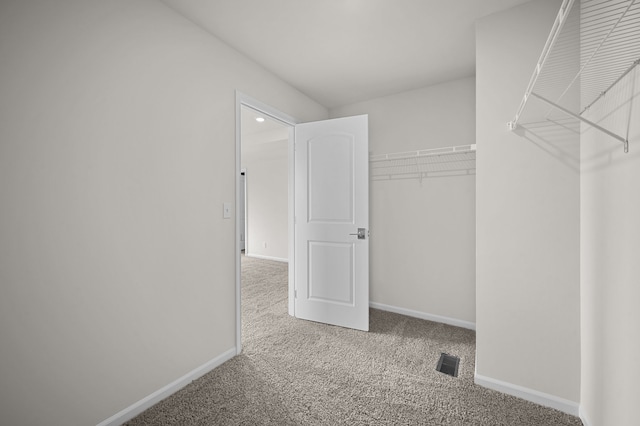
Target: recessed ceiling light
x,y
260,120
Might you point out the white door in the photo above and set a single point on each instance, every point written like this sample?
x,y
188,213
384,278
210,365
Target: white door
x,y
331,260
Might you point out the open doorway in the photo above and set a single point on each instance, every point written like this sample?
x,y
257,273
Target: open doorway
x,y
329,241
264,152
264,160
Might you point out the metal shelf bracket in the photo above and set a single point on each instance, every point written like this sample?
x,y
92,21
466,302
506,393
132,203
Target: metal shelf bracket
x,y
624,141
613,33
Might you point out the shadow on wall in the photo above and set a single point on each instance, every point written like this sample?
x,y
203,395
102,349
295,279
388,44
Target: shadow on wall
x,y
557,137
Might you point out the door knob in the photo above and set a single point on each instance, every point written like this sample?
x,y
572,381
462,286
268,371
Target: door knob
x,y
361,233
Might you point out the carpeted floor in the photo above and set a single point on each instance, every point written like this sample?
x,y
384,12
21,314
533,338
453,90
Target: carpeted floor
x,y
295,372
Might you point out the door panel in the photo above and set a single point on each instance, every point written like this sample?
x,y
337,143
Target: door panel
x,y
330,179
327,265
331,202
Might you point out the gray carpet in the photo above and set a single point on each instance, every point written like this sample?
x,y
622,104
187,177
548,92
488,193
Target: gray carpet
x,y
295,372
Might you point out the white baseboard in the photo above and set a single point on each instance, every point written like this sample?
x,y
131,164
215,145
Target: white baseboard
x,y
583,416
423,315
150,400
531,395
261,256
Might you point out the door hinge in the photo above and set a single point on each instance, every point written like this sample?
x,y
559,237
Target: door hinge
x,y
295,294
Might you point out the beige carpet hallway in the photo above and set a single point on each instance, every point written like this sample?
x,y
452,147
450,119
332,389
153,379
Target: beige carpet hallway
x,y
294,372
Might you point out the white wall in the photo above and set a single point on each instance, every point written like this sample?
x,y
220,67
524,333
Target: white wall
x,y
267,199
117,150
423,235
610,271
528,216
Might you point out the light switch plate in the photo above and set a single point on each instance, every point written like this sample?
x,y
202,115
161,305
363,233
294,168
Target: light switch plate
x,y
226,210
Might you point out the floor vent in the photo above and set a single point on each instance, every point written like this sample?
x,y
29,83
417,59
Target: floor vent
x,y
448,364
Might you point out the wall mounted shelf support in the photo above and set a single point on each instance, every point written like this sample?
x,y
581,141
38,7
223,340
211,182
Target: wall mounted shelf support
x,y
558,24
424,163
624,141
605,36
604,92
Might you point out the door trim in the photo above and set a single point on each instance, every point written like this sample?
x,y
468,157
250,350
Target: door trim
x,y
248,101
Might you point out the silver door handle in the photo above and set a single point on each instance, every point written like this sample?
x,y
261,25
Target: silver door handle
x,y
361,233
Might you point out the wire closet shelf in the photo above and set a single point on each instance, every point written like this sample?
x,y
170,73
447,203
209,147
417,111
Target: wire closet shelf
x,y
605,37
424,163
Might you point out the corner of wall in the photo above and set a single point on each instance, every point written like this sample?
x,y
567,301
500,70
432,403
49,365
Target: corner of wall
x,y
541,398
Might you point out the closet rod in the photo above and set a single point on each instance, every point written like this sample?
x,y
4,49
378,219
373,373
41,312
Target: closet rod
x,y
624,141
422,153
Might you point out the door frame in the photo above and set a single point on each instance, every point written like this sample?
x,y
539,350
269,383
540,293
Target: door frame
x,y
287,120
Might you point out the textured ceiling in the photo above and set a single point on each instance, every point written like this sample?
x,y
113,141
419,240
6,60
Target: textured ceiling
x,y
343,51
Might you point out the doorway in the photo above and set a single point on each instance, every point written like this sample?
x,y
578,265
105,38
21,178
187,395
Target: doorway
x,y
264,137
328,248
264,160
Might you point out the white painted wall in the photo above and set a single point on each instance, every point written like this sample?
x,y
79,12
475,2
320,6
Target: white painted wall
x,y
117,150
267,199
528,219
610,271
423,235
